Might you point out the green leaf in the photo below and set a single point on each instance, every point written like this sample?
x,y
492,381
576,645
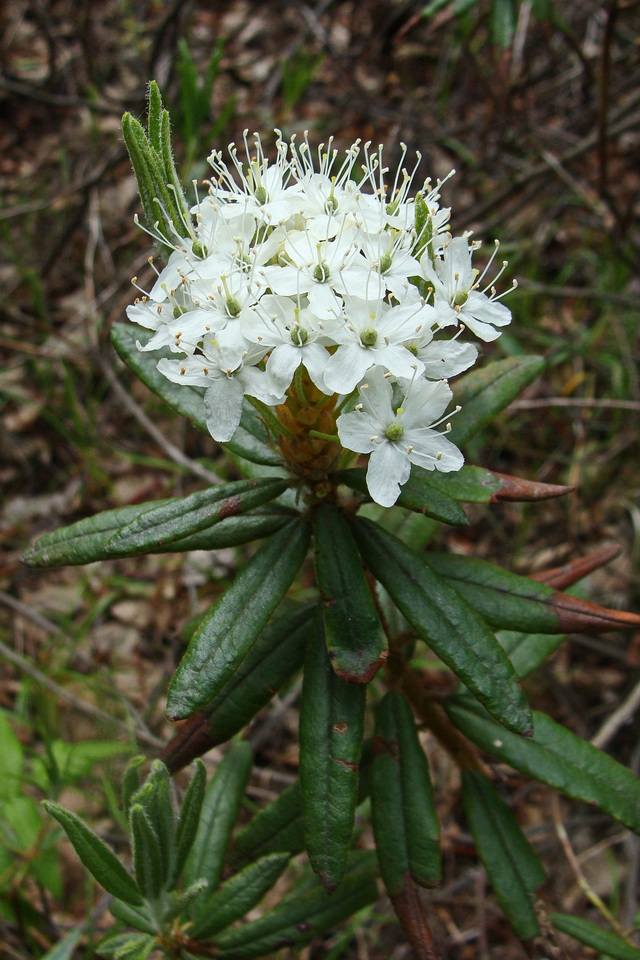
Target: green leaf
x,y
331,729
91,539
155,799
101,862
518,603
64,949
189,818
528,650
171,521
180,902
603,941
355,640
250,438
303,915
447,622
11,761
139,919
150,868
502,598
131,781
417,494
86,540
503,17
405,822
219,811
469,484
554,756
235,622
488,390
129,946
277,654
237,896
511,863
277,828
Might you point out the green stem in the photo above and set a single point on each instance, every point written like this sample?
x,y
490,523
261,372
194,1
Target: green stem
x,y
324,436
269,417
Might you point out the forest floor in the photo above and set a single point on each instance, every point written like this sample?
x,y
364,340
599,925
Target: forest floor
x,y
545,137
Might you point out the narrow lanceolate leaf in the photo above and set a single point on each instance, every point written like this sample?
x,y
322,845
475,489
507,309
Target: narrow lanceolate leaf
x,y
557,757
277,654
219,811
518,490
131,781
99,860
128,946
303,915
237,896
527,651
469,484
189,818
603,941
87,540
505,599
155,799
149,865
486,391
569,573
405,822
355,638
138,918
202,509
92,538
276,829
331,728
233,625
511,863
447,622
186,400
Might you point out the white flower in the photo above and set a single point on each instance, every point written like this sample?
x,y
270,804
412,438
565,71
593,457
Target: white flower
x,y
296,336
456,295
226,368
373,333
330,262
396,439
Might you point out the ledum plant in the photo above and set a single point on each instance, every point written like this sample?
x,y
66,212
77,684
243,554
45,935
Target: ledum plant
x,y
309,316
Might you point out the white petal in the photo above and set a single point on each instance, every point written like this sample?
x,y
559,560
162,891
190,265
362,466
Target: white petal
x,y
355,430
223,407
432,451
388,469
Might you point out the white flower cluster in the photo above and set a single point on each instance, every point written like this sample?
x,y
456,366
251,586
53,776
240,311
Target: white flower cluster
x,y
323,264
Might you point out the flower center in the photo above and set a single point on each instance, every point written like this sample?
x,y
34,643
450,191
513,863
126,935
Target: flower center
x,y
394,432
299,336
386,262
369,337
460,298
321,272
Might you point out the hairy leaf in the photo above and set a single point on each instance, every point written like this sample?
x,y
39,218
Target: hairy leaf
x,y
557,757
447,622
355,639
237,896
405,822
99,860
484,392
331,729
235,622
603,941
512,865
